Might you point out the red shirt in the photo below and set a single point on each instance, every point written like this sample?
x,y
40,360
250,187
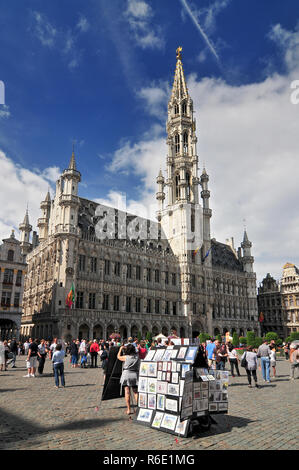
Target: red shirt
x,y
142,353
94,347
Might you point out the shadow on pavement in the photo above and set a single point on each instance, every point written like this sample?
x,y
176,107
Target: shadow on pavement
x,y
21,429
11,389
224,424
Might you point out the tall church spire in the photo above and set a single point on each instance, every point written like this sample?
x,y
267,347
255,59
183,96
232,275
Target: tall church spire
x,y
179,89
72,165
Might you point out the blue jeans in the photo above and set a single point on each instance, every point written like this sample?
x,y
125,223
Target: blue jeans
x,y
220,365
74,359
265,365
59,371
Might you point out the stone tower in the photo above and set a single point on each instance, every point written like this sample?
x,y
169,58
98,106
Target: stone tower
x,y
25,230
181,219
43,222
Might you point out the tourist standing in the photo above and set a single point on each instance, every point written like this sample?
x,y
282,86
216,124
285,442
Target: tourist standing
x,y
129,376
273,359
294,360
263,353
233,359
74,352
94,350
58,365
14,351
2,356
32,358
26,347
221,355
142,351
210,349
42,356
251,366
82,353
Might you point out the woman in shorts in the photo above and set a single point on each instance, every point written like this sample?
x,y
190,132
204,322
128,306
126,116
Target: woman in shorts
x,y
273,360
129,376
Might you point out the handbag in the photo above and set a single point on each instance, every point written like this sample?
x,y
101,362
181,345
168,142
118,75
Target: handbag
x,y
244,362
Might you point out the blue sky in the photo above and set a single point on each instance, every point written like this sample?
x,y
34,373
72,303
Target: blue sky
x,y
99,72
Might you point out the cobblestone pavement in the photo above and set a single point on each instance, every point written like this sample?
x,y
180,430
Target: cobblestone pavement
x,y
34,415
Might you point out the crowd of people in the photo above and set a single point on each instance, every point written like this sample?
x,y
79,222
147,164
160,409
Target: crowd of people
x,y
213,354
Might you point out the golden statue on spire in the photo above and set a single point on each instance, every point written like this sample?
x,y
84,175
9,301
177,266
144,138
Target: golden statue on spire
x,y
178,53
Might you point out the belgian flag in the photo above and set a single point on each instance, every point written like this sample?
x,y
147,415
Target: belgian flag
x,y
70,299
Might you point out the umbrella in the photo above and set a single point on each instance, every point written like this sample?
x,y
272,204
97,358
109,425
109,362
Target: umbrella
x,y
160,336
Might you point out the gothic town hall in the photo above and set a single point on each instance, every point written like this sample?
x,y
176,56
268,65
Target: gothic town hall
x,y
135,275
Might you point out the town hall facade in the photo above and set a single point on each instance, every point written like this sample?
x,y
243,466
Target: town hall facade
x,y
133,274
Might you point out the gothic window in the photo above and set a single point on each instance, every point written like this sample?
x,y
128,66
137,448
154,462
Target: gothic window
x,y
8,276
174,308
177,143
105,302
176,109
128,304
81,262
184,108
116,303
129,271
148,306
5,299
107,267
177,189
167,307
193,280
79,302
173,279
188,188
138,273
10,255
148,274
138,304
194,309
92,301
166,277
117,268
157,306
19,278
93,265
157,275
185,143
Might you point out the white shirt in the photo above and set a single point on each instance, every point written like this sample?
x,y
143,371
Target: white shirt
x,y
232,354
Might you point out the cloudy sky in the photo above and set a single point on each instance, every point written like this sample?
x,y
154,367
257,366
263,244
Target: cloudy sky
x,y
100,73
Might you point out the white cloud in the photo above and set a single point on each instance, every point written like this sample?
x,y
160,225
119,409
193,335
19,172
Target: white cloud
x,y
83,24
65,42
20,186
155,97
248,138
4,112
139,15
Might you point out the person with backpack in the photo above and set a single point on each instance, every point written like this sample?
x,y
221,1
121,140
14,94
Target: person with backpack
x,y
249,361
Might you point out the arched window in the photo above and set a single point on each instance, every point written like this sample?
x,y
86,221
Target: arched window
x,y
177,189
177,143
184,108
185,143
188,186
176,109
10,255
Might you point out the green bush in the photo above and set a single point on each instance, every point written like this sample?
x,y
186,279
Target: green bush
x,y
243,340
294,336
271,335
219,337
139,336
257,341
235,339
203,337
250,338
149,336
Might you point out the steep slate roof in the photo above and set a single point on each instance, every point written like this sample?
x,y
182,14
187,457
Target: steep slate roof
x,y
224,257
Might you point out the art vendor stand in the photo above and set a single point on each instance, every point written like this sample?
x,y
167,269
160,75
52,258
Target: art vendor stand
x,y
175,394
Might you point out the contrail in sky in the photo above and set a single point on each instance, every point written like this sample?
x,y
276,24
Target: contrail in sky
x,y
203,34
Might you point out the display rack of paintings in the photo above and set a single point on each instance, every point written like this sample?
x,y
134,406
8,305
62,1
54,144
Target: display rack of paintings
x,y
172,391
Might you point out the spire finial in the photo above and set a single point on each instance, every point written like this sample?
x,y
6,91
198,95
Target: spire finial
x,y
179,53
72,165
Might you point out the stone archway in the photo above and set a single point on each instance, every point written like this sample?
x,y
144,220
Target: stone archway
x,y
216,331
182,332
83,332
196,329
144,331
110,330
134,331
155,331
8,329
123,331
97,332
164,330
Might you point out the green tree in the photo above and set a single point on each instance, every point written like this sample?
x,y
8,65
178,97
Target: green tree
x,y
149,336
203,337
243,340
271,335
294,336
250,338
257,341
235,339
139,336
219,337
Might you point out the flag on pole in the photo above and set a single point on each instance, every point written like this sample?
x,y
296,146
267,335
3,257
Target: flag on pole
x,y
70,299
195,251
206,255
261,317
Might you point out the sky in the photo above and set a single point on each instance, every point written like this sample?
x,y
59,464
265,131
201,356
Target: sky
x,y
100,73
